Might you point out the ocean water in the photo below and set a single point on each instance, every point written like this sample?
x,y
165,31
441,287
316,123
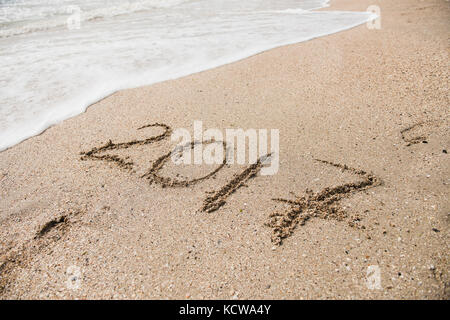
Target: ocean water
x,y
59,56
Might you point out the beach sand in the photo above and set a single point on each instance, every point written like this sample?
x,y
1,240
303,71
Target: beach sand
x,y
373,100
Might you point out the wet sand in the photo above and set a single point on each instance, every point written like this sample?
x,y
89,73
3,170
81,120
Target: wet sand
x,y
363,179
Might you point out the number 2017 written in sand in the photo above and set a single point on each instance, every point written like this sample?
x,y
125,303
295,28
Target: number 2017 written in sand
x,y
323,204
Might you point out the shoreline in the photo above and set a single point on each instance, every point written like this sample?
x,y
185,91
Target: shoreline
x,y
48,123
358,100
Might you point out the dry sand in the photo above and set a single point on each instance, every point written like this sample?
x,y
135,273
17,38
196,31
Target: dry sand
x,y
373,100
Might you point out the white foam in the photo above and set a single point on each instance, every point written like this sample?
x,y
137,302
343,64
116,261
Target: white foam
x,y
56,73
20,17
